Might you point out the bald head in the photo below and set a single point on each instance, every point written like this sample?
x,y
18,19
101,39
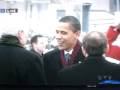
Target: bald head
x,y
95,43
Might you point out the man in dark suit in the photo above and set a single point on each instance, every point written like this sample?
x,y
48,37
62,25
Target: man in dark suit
x,y
38,45
17,65
67,35
95,69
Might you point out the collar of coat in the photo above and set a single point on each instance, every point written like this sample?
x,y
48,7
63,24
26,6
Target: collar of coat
x,y
73,55
10,40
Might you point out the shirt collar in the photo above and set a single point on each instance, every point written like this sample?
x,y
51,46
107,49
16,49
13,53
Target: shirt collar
x,y
70,52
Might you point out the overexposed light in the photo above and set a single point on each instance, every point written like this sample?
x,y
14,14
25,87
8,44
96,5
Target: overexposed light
x,y
117,17
16,0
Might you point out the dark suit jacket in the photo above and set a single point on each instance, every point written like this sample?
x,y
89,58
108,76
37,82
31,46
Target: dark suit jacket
x,y
19,66
53,65
41,56
93,71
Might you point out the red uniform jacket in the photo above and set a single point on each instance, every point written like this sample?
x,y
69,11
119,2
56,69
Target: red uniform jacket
x,y
114,50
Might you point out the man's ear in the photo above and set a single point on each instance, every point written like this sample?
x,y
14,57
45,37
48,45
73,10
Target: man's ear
x,y
20,33
84,51
33,45
77,34
107,48
21,37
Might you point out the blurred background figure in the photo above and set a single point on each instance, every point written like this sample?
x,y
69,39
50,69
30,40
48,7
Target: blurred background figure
x,y
38,44
19,66
114,42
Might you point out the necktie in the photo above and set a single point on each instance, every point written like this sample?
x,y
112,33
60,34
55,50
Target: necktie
x,y
67,57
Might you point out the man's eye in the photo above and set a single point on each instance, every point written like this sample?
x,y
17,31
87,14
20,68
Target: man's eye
x,y
64,33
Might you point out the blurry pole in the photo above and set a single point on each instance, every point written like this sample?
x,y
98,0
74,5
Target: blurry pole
x,y
28,8
77,10
85,16
117,13
118,6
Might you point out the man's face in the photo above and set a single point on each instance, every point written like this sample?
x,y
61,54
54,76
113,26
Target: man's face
x,y
40,45
66,38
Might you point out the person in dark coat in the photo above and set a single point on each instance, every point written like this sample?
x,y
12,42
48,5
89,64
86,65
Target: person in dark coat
x,y
95,70
67,35
19,66
38,45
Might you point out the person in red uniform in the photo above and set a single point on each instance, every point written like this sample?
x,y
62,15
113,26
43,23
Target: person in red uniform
x,y
114,48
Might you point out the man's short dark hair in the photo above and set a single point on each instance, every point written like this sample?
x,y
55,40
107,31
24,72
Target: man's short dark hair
x,y
95,43
73,21
34,38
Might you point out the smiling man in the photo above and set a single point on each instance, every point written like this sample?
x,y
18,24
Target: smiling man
x,y
67,35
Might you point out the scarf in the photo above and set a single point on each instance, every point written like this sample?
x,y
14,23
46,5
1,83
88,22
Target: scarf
x,y
72,56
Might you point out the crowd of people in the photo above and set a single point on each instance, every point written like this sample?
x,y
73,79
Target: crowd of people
x,y
71,63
